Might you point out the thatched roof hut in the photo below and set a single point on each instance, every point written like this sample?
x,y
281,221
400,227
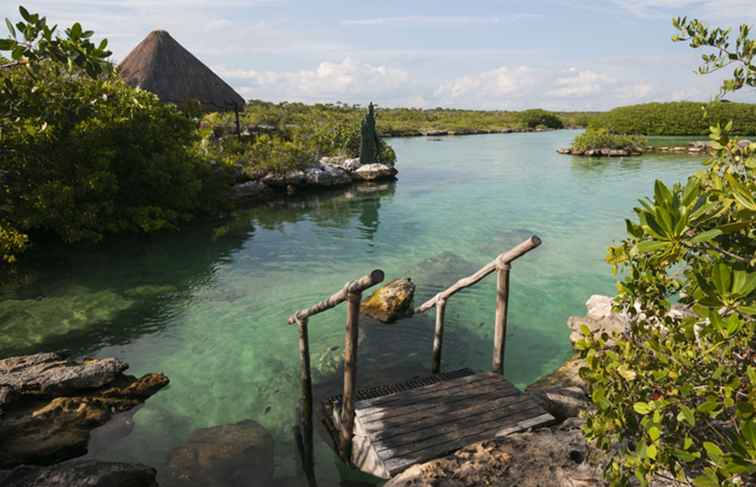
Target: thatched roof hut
x,y
163,66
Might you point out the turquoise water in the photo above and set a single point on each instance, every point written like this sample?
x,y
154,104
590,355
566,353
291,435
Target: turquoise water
x,y
208,306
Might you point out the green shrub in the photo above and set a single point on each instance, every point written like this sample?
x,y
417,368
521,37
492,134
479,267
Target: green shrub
x,y
85,157
678,118
537,117
602,139
676,394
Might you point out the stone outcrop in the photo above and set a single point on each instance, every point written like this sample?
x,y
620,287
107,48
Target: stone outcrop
x,y
390,301
87,473
374,172
550,457
231,455
693,148
51,404
600,318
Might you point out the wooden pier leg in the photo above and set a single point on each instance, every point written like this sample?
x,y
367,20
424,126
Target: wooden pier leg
x,y
500,325
350,374
305,379
438,337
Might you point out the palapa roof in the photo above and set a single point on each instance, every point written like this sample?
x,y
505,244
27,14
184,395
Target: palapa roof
x,y
163,66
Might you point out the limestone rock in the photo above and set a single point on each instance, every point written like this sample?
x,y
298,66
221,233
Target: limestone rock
x,y
555,457
88,473
562,402
390,301
231,455
51,374
372,172
53,403
600,318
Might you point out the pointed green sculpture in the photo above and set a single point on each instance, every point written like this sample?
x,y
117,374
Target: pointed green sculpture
x,y
369,142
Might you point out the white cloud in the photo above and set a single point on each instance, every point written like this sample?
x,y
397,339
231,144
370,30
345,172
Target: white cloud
x,y
441,20
501,83
347,80
579,84
711,9
635,92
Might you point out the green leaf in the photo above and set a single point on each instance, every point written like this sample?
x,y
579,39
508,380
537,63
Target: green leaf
x,y
648,246
642,408
11,30
626,373
714,452
706,236
25,14
654,433
7,44
651,452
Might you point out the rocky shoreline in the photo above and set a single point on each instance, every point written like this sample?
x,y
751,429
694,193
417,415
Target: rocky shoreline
x,y
329,172
452,133
693,148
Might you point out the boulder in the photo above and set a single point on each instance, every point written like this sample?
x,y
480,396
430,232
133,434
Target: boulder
x,y
390,301
351,165
372,172
562,402
89,473
52,404
52,374
230,455
600,318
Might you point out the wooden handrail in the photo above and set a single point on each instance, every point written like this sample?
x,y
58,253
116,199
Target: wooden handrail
x,y
504,258
352,294
356,286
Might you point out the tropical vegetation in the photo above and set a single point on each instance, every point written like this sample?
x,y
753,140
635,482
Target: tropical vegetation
x,y
83,155
601,138
675,394
399,121
678,118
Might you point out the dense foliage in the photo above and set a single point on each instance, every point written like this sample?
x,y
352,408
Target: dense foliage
x,y
675,394
602,139
540,118
398,121
678,118
283,139
83,155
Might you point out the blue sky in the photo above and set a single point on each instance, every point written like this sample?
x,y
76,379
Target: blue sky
x,y
556,54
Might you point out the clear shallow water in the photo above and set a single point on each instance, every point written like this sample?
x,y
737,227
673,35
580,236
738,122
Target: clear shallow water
x,y
208,306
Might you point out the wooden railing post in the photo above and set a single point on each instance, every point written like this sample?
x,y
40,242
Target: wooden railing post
x,y
438,337
350,373
305,379
500,323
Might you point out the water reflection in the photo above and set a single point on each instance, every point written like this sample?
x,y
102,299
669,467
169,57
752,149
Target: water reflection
x,y
86,298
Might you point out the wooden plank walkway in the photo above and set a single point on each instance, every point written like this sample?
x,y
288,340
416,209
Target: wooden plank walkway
x,y
404,424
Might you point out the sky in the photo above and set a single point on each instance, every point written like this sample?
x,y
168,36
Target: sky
x,y
483,54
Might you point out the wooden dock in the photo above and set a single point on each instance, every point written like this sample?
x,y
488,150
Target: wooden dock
x,y
400,425
383,430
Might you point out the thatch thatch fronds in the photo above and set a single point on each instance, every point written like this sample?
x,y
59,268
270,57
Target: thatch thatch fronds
x,y
163,66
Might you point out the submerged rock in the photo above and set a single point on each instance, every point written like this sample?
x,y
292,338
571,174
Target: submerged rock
x,y
251,190
87,473
390,301
230,455
52,403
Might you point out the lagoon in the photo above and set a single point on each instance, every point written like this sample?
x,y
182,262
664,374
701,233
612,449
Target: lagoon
x,y
208,306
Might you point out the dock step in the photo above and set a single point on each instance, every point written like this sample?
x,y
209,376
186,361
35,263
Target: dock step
x,y
399,425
